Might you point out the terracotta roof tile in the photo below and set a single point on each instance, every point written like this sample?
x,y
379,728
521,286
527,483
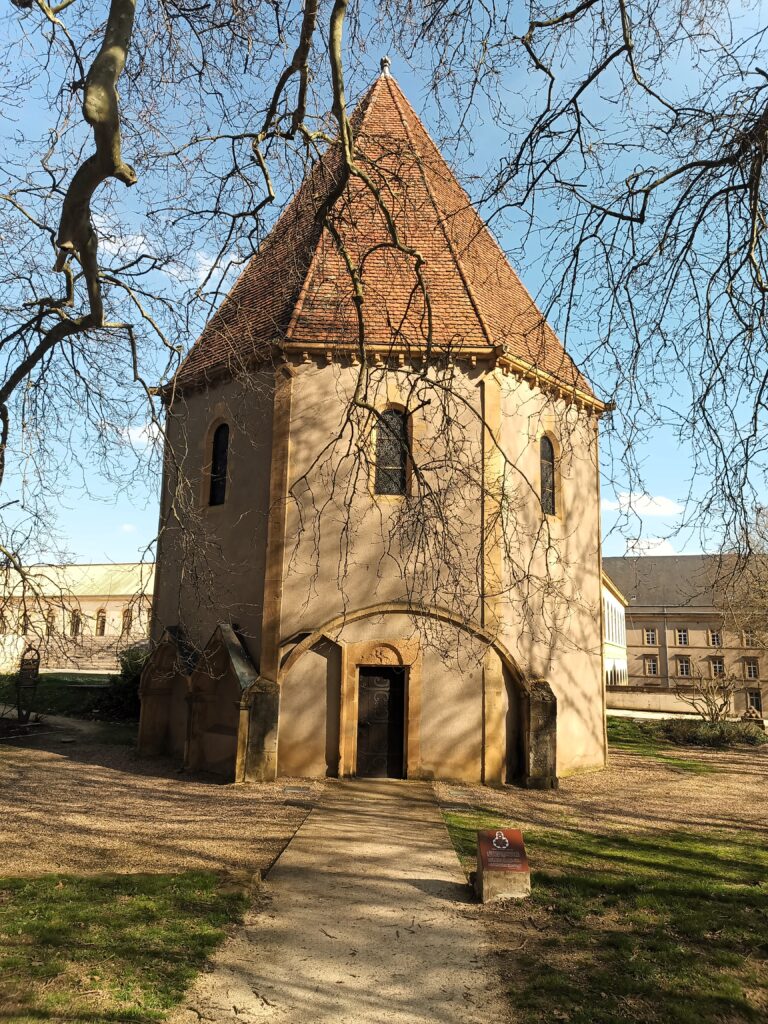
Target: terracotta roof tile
x,y
297,290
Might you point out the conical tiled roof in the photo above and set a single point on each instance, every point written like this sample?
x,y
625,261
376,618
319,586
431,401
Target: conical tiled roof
x,y
296,291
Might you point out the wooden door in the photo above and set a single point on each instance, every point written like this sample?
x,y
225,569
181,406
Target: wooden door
x,y
381,723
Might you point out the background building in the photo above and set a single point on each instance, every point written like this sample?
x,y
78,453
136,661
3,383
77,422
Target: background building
x,y
682,626
77,616
614,634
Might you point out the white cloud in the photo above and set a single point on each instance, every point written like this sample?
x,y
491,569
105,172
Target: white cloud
x,y
222,269
205,265
126,246
115,242
643,505
127,528
650,546
143,435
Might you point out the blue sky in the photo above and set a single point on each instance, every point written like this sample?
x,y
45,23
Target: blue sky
x,y
102,527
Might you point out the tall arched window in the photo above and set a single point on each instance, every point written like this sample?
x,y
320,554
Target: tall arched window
x,y
392,453
50,622
75,623
547,459
101,622
127,621
219,451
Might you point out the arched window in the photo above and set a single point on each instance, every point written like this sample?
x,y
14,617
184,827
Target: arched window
x,y
547,459
75,623
127,621
392,453
101,622
50,623
219,451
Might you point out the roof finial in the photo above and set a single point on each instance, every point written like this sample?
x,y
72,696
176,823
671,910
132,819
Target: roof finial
x,y
385,65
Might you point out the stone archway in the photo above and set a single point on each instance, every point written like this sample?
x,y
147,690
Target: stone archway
x,y
534,760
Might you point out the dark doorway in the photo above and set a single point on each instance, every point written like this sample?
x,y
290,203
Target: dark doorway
x,y
381,723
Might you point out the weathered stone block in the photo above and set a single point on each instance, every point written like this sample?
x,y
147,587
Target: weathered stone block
x,y
540,770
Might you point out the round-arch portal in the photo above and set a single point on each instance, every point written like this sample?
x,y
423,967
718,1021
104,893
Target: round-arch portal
x,y
470,715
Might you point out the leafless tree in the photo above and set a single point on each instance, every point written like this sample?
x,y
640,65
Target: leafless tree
x,y
148,151
710,698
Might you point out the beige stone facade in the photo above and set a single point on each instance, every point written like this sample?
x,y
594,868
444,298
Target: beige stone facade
x,y
461,600
677,629
78,617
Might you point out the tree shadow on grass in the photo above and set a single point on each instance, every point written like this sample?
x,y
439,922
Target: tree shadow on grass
x,y
635,926
118,947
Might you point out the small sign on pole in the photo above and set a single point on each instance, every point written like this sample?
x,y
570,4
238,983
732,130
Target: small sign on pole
x,y
26,683
502,865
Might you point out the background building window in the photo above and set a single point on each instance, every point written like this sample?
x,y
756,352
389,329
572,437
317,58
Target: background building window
x,y
75,623
718,667
547,459
752,668
649,636
651,665
392,453
127,621
682,637
101,622
755,700
750,640
684,667
715,639
219,454
50,623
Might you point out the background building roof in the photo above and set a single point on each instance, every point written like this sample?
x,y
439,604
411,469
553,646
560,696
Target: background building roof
x,y
119,579
666,581
611,586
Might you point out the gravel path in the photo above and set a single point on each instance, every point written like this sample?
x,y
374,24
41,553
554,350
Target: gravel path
x,y
82,807
365,919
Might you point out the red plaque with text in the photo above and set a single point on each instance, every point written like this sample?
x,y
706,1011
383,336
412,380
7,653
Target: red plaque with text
x,y
502,849
502,864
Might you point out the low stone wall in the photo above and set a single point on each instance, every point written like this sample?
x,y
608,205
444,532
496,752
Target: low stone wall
x,y
636,698
647,698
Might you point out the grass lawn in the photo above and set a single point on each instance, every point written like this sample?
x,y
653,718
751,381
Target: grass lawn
x,y
641,738
668,927
107,948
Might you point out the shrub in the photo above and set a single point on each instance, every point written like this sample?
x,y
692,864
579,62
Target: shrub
x,y
711,734
132,661
121,701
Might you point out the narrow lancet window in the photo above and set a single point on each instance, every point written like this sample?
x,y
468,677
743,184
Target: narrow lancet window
x,y
101,622
392,453
547,456
219,465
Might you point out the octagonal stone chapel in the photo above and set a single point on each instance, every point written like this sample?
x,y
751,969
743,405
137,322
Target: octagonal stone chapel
x,y
379,544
